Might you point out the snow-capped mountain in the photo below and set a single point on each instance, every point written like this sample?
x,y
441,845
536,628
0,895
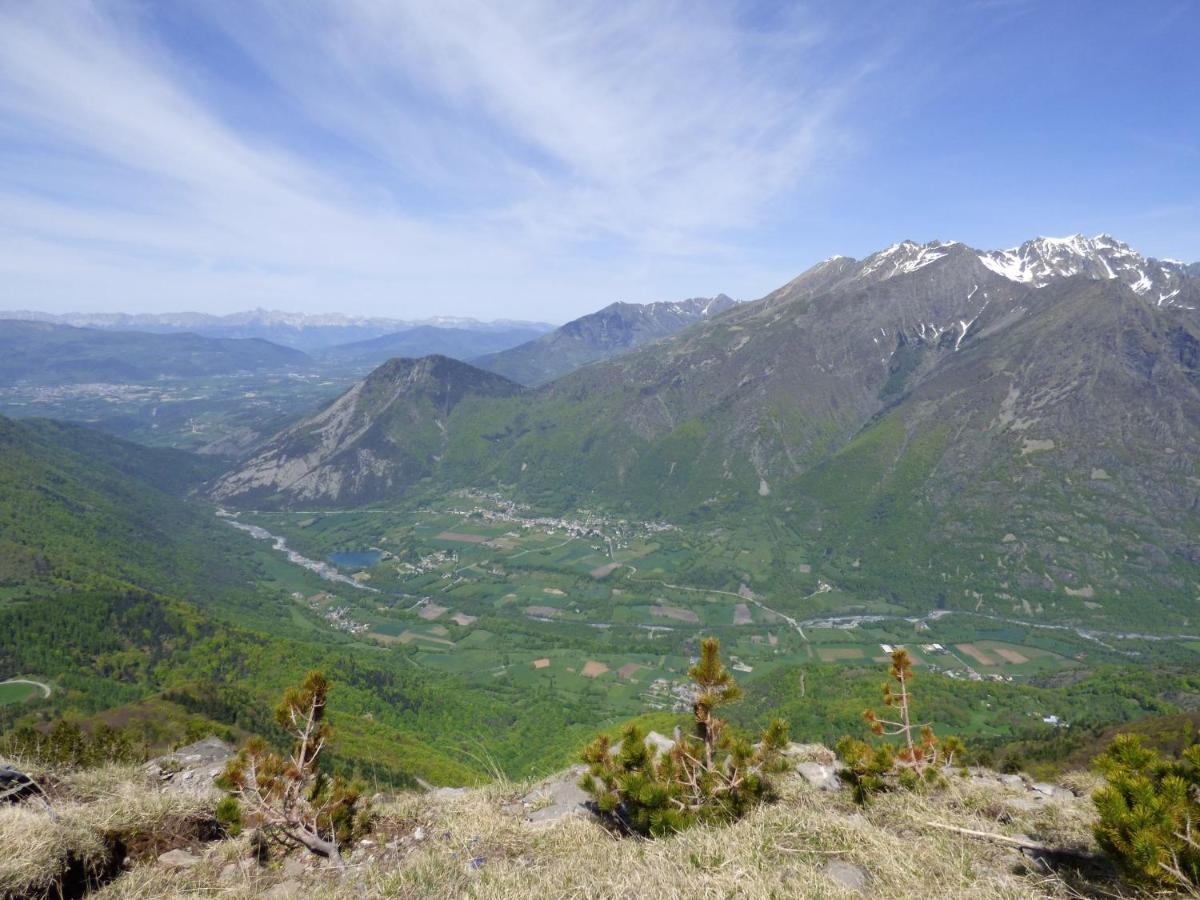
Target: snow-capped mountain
x,y
1037,263
1042,260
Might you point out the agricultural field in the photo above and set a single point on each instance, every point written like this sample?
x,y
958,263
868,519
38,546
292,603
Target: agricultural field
x,y
608,613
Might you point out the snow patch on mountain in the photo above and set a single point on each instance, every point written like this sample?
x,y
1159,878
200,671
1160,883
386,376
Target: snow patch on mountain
x,y
1042,260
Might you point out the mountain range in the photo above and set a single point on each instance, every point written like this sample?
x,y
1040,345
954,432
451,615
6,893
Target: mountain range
x,y
428,340
615,329
47,353
1009,419
301,330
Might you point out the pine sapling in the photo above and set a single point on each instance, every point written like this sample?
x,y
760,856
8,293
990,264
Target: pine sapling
x,y
290,799
710,775
919,748
920,755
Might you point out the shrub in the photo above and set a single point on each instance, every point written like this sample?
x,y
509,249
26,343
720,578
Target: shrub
x,y
67,745
289,799
920,757
229,815
1148,810
709,776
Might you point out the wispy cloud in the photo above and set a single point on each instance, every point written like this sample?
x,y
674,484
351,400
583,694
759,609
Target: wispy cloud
x,y
404,156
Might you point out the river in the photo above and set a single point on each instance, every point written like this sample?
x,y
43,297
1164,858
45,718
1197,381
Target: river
x,y
324,569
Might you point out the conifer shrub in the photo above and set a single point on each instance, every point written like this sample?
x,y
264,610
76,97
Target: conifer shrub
x,y
289,800
67,745
1149,811
709,776
919,758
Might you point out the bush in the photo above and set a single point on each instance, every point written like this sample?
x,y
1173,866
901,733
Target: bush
x,y
290,800
67,745
706,777
920,757
1148,810
229,815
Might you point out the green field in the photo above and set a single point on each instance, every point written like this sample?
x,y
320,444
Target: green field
x,y
607,617
16,692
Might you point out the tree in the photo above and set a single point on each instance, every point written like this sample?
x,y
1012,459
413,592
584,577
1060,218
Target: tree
x,y
290,799
1149,809
920,757
711,775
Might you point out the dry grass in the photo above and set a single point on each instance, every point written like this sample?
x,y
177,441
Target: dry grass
x,y
98,813
467,846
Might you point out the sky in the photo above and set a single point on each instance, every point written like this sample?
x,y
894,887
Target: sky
x,y
538,160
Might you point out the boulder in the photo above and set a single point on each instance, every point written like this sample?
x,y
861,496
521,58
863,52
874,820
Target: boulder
x,y
820,776
192,768
554,798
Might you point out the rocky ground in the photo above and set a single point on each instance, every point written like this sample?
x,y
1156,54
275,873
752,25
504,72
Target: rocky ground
x,y
149,832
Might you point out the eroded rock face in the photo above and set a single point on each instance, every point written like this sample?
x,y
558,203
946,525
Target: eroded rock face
x,y
379,437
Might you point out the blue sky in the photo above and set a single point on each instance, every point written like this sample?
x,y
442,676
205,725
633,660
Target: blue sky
x,y
532,159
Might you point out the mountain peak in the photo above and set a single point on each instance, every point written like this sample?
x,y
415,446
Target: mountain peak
x,y
1045,259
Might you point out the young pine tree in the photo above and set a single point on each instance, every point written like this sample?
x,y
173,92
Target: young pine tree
x,y
919,757
710,775
1149,812
288,798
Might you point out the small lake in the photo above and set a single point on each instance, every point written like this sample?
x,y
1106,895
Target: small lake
x,y
355,559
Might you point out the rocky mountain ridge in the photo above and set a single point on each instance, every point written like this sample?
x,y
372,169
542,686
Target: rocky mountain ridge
x,y
902,411
608,332
386,432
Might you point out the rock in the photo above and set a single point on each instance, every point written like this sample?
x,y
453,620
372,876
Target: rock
x,y
293,867
848,875
556,797
1012,781
231,873
449,793
1031,803
1052,790
821,777
191,769
178,859
818,753
285,889
661,743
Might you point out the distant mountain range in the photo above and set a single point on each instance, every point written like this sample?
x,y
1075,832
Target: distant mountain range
x,y
426,340
1024,419
616,329
46,353
304,331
